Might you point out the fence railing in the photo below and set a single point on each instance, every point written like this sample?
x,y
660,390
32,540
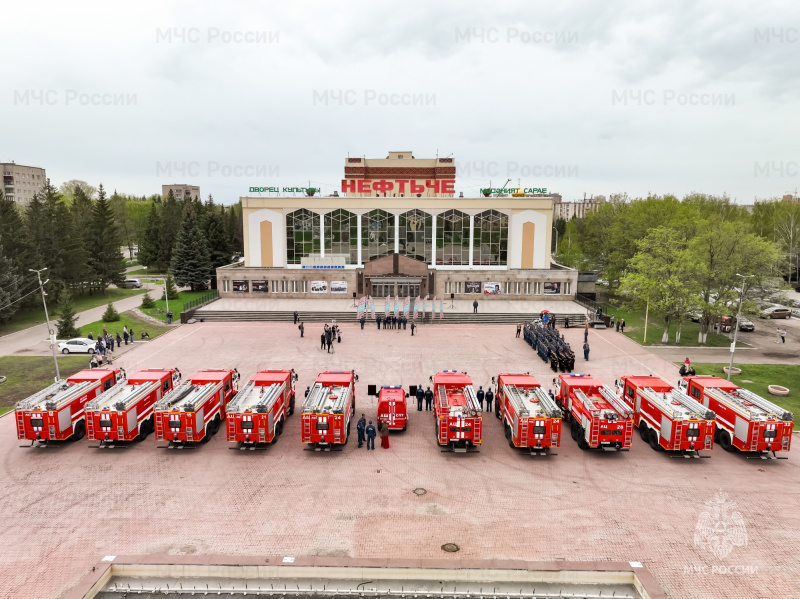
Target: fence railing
x,y
591,304
202,300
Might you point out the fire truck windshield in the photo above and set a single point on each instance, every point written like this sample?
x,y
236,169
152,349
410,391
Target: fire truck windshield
x,y
37,422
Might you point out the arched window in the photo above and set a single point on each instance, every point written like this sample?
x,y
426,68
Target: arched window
x,y
302,235
490,246
452,238
341,235
416,235
377,234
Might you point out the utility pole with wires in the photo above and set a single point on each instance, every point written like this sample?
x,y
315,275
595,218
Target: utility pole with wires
x,y
738,318
50,331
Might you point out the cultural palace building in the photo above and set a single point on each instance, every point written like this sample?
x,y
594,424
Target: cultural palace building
x,y
397,228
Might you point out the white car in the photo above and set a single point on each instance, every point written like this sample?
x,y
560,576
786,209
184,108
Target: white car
x,y
77,346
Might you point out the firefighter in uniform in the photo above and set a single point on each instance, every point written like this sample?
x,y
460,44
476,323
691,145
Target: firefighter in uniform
x,y
308,390
420,397
413,326
361,428
428,399
480,395
489,399
370,436
362,322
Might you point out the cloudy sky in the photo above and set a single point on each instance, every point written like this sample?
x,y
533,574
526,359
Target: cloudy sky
x,y
578,97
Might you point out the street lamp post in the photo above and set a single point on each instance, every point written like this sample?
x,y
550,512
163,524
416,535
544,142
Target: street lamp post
x,y
736,324
50,332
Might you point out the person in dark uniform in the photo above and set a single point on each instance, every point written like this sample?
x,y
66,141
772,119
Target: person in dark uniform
x,y
405,321
329,340
394,322
428,399
370,436
362,322
586,351
295,316
322,341
361,427
519,330
475,307
489,399
480,395
302,328
413,326
420,393
308,390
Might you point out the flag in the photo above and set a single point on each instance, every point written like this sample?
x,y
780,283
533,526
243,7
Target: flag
x,y
372,306
416,307
433,307
386,307
441,310
425,301
361,303
406,306
396,306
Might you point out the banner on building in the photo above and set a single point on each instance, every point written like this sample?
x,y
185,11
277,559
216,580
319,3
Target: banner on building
x,y
552,288
472,287
262,286
241,286
491,288
319,286
339,287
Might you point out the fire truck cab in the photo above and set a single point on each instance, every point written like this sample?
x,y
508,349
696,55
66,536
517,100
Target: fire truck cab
x,y
667,418
598,417
531,418
392,408
458,414
125,413
745,421
328,410
56,413
257,414
193,412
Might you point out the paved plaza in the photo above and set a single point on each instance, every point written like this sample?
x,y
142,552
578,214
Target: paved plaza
x,y
64,508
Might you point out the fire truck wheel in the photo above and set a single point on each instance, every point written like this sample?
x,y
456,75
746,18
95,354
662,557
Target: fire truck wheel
x,y
291,406
582,439
573,430
644,431
511,442
80,431
653,440
279,428
216,425
497,413
725,440
207,437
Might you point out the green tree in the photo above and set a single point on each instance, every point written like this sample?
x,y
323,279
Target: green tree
x,y
16,244
150,253
569,248
218,241
147,301
171,218
191,264
107,262
10,293
65,325
111,314
171,291
70,190
659,276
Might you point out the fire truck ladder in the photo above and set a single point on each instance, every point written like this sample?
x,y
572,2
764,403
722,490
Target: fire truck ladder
x,y
770,408
54,396
259,397
193,396
612,398
319,394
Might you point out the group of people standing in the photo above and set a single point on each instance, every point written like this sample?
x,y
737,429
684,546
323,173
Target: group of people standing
x,y
329,334
427,395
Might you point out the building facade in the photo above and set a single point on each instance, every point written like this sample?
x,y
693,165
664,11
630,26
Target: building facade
x,y
578,209
181,191
403,234
21,182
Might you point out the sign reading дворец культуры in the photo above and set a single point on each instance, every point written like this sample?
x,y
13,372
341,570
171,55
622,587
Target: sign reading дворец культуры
x,y
285,189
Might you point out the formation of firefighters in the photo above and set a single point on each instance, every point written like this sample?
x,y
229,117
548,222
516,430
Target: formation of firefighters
x,y
111,407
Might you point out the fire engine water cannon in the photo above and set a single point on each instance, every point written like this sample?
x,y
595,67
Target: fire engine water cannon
x,y
459,420
125,413
328,410
598,417
531,418
666,417
256,415
56,413
745,421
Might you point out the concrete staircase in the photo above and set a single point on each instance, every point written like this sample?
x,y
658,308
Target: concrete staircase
x,y
350,317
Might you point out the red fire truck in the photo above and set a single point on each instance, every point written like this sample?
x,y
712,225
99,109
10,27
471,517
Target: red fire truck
x,y
256,415
666,417
457,411
125,413
392,410
745,421
328,409
599,418
193,412
57,412
531,418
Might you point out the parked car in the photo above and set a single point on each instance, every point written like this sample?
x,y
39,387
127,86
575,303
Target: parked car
x,y
746,324
777,312
77,346
132,284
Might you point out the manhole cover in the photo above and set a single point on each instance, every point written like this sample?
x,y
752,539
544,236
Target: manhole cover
x,y
450,547
419,491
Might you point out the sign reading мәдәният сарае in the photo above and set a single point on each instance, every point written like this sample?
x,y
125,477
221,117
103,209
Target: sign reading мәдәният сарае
x,y
507,190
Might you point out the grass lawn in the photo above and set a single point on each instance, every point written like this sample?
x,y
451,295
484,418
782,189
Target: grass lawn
x,y
175,306
28,374
146,272
763,375
33,316
127,319
634,329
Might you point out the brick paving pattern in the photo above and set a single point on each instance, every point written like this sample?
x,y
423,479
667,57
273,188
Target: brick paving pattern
x,y
66,507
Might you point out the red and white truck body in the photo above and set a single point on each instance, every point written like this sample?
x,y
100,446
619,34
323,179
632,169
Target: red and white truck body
x,y
458,413
257,413
745,421
392,408
56,413
599,418
531,418
328,410
193,411
667,417
125,413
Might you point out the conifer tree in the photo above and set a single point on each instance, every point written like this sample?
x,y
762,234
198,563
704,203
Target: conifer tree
x,y
191,264
65,325
107,261
171,291
10,293
150,244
